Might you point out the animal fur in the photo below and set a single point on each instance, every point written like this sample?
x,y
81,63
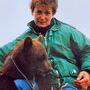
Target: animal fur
x,y
31,58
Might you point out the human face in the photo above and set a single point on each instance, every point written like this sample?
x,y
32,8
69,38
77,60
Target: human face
x,y
42,15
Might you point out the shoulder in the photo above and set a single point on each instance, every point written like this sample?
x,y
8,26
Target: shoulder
x,y
69,28
66,29
63,24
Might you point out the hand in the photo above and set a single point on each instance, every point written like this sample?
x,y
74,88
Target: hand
x,y
83,80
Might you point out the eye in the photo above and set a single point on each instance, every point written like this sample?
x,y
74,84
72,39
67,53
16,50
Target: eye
x,y
42,57
38,12
47,12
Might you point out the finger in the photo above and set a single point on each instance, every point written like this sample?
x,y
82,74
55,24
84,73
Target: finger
x,y
77,83
80,76
84,86
84,80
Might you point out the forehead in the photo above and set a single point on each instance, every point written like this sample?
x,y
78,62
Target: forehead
x,y
43,7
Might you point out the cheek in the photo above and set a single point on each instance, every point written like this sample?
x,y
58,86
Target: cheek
x,y
48,17
35,16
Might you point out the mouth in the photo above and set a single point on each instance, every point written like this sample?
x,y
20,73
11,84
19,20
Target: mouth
x,y
42,22
43,72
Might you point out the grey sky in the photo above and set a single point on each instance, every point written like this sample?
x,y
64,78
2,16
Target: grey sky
x,y
15,14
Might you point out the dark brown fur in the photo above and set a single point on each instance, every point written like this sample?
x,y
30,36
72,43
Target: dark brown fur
x,y
31,58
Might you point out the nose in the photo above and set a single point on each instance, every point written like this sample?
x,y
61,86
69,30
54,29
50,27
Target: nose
x,y
48,66
43,16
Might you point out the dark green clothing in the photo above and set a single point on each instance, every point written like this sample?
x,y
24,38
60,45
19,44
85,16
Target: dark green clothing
x,y
67,48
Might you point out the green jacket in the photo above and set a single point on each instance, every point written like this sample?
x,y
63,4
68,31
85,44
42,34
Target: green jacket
x,y
67,48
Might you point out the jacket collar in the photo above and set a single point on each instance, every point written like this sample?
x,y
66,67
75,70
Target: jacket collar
x,y
56,25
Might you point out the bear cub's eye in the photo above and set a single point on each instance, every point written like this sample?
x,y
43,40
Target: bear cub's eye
x,y
42,57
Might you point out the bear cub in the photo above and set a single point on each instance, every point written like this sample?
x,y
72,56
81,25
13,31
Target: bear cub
x,y
27,60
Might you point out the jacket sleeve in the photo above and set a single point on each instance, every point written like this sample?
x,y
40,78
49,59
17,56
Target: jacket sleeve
x,y
81,49
9,46
85,57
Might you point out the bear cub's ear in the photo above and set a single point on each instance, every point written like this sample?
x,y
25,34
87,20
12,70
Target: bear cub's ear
x,y
40,38
27,43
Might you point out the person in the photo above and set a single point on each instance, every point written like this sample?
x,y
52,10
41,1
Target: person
x,y
67,48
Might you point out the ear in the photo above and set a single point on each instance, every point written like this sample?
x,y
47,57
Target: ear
x,y
40,38
27,43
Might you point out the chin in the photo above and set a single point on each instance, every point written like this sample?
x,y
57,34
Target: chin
x,y
42,26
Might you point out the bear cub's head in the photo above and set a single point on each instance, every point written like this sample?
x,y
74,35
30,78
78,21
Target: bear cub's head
x,y
29,56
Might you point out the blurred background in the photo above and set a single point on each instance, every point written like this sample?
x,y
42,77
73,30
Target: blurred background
x,y
15,14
